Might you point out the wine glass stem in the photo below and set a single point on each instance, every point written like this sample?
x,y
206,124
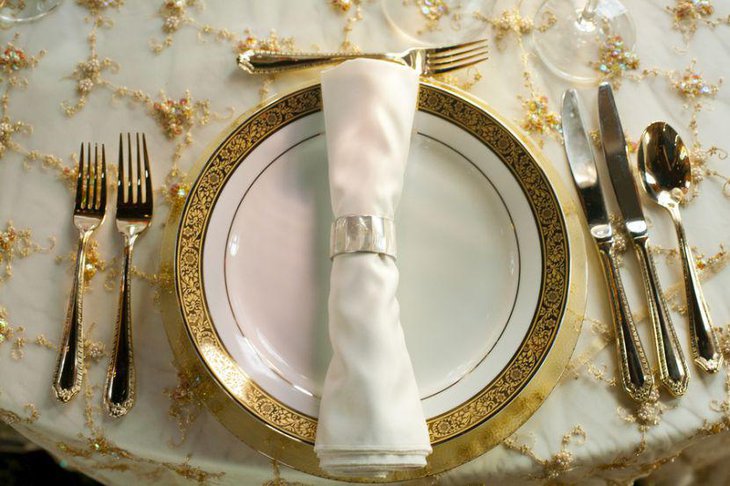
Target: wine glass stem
x,y
588,12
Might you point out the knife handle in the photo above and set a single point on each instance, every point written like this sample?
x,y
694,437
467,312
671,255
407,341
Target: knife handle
x,y
636,375
673,371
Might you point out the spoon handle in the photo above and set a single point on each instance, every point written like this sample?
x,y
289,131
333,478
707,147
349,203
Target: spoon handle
x,y
705,346
673,370
636,376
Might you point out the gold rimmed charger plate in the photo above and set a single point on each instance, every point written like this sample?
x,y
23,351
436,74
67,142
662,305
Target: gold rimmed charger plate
x,y
457,435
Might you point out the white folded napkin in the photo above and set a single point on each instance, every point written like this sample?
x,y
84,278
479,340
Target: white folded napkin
x,y
370,417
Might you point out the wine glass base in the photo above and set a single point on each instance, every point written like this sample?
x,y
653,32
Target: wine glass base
x,y
27,11
438,22
571,47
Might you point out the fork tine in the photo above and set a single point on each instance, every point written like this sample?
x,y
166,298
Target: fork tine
x,y
456,47
80,180
454,59
452,67
460,55
147,175
460,52
89,179
130,194
139,172
102,180
97,186
120,173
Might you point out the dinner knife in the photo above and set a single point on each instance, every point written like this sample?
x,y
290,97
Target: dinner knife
x,y
673,371
636,376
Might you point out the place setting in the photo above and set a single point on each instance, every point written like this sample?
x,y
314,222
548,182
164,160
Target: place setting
x,y
343,351
485,244
382,272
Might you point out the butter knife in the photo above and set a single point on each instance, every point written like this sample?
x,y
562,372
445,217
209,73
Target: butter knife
x,y
636,375
673,371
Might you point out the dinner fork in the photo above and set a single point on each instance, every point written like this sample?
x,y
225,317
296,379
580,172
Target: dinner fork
x,y
134,213
89,212
426,61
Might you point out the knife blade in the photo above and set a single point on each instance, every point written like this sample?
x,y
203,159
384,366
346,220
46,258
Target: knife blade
x,y
673,371
636,376
582,164
617,159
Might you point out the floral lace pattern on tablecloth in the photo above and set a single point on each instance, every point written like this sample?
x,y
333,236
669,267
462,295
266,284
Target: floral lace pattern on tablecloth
x,y
178,116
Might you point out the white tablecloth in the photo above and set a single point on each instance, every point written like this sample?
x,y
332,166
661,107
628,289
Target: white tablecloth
x,y
586,430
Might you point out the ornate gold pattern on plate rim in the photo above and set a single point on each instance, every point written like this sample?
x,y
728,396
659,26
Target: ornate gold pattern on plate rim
x,y
458,435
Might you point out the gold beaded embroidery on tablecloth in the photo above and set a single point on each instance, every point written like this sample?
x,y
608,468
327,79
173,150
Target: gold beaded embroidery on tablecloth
x,y
179,114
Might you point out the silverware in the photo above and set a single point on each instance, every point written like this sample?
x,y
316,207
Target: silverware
x,y
134,213
666,171
673,370
89,211
427,62
636,376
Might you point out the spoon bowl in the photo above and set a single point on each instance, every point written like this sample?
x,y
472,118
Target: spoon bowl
x,y
664,165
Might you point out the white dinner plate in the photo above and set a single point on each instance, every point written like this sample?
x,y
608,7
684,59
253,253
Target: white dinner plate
x,y
469,258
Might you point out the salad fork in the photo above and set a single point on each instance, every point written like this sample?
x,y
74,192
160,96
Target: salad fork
x,y
134,213
426,61
89,212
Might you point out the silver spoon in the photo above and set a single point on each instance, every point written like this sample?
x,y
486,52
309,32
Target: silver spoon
x,y
666,172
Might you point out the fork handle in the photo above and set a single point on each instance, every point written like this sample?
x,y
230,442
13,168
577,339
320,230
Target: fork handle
x,y
70,365
267,62
120,386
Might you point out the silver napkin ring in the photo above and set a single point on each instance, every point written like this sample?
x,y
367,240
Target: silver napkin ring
x,y
371,234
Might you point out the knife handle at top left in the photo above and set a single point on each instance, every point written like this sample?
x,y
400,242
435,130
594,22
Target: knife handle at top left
x,y
636,376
